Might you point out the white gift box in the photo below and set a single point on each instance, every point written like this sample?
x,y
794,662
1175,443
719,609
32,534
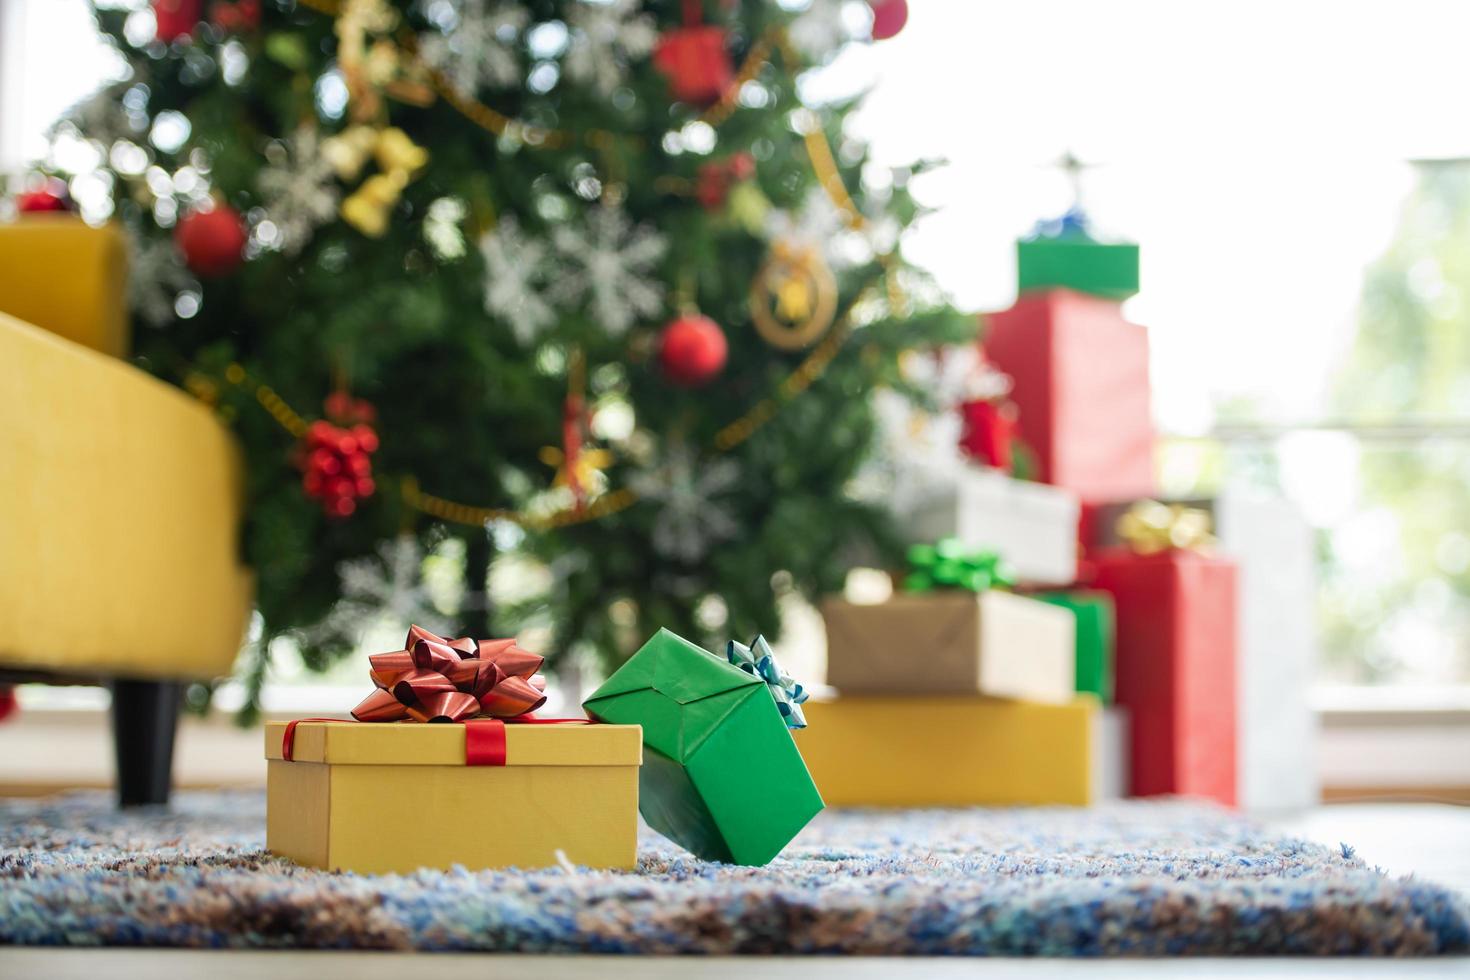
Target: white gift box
x,y
1032,526
1276,751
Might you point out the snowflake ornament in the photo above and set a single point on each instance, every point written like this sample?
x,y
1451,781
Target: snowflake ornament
x,y
605,37
610,267
104,117
478,46
297,188
156,276
515,275
820,30
385,593
690,520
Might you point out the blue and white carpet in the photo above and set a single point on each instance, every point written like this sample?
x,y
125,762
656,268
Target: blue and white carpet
x,y
1127,879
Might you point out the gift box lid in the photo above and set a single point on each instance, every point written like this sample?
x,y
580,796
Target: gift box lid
x,y
347,743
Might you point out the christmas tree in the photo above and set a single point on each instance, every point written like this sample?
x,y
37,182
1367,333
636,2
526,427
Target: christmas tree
x,y
582,286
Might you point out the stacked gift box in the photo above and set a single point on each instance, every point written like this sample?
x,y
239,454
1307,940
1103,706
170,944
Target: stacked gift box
x,y
1152,606
1211,639
1081,389
958,690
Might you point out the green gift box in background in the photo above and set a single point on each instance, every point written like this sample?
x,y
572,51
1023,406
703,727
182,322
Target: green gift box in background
x,y
721,775
1095,633
1080,262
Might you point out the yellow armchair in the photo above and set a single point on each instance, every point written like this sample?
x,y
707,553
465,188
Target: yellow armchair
x,y
121,503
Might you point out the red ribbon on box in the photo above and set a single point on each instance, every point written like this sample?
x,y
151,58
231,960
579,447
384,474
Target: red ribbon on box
x,y
484,738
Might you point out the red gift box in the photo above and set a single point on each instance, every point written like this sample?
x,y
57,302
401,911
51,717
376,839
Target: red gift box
x,y
1080,375
1176,668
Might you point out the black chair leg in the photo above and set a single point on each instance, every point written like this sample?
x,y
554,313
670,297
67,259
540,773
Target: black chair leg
x,y
144,716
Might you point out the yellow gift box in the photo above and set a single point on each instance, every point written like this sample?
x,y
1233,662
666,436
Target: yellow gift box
x,y
394,798
953,750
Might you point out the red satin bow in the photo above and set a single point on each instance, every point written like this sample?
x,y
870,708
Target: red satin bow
x,y
434,679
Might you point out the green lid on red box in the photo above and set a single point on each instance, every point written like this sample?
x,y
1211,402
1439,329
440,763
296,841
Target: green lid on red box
x,y
1063,253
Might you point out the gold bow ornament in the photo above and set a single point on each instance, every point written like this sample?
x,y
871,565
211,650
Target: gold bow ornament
x,y
399,160
1150,527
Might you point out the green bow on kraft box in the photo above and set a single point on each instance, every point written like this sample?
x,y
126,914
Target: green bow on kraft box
x,y
721,775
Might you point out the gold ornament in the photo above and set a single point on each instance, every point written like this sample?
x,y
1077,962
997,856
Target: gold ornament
x,y
1150,527
793,299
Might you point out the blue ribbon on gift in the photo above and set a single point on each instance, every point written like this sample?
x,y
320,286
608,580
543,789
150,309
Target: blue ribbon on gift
x,y
1072,226
758,659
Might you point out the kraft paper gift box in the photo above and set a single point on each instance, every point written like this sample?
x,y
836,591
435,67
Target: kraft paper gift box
x,y
396,797
952,642
721,776
1031,525
1275,549
1093,611
1081,385
1176,668
961,751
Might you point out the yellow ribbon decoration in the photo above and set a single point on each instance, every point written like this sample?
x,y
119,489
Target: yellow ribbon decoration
x,y
1149,527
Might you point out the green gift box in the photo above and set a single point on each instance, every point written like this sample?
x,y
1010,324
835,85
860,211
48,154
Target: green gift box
x,y
721,775
1078,262
1095,633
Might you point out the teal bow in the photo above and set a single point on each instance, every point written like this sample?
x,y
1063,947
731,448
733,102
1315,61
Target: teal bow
x,y
758,659
948,565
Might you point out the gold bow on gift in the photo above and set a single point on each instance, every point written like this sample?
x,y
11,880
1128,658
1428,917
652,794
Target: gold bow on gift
x,y
1150,527
399,159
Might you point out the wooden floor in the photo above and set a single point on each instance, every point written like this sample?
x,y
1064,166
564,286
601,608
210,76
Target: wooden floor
x,y
1432,842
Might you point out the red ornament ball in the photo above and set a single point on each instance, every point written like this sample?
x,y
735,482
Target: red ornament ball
x,y
692,350
889,16
176,18
212,241
40,202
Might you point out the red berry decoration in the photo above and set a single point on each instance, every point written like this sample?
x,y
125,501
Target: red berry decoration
x,y
176,18
343,409
237,17
8,704
715,178
211,241
889,16
692,350
336,468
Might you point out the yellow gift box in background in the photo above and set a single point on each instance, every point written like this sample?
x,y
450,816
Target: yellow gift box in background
x,y
393,798
956,750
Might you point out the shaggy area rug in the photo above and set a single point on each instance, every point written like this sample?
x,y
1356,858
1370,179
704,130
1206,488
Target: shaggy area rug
x,y
1125,879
